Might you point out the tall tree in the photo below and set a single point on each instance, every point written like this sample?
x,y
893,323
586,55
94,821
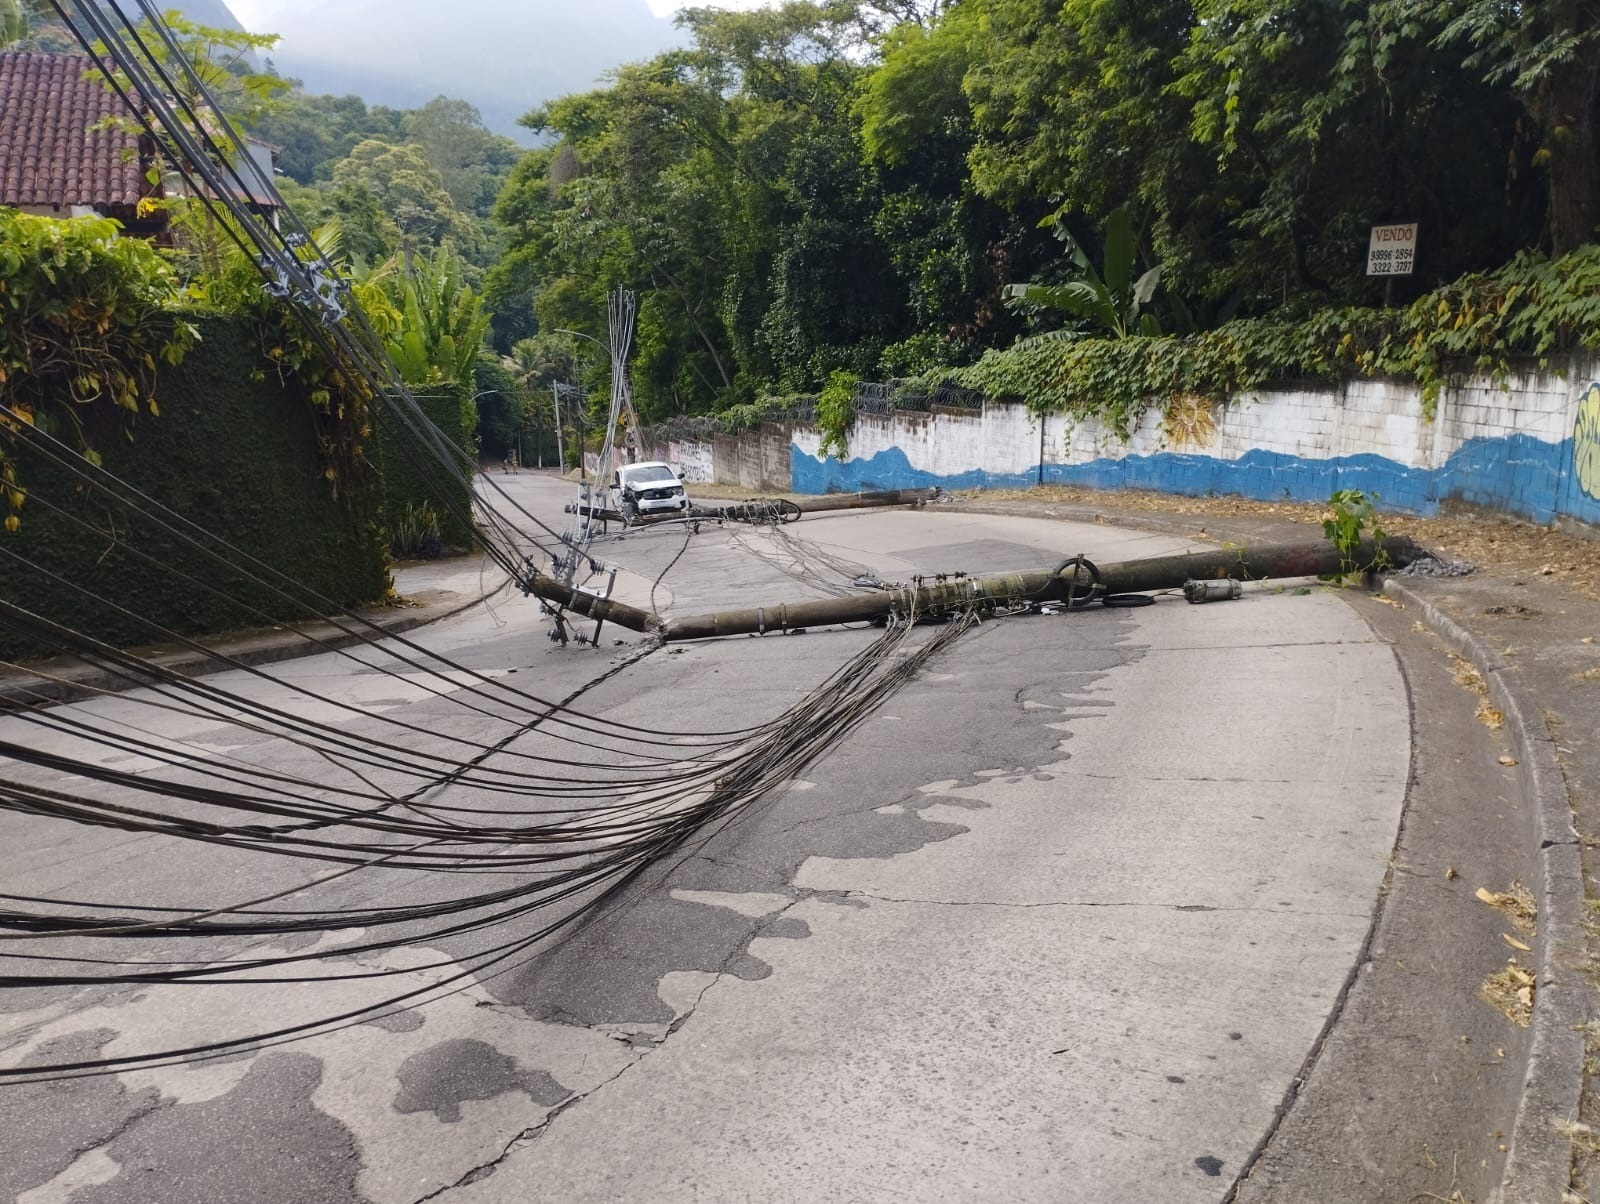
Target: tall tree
x,y
410,190
950,245
1548,53
314,132
472,162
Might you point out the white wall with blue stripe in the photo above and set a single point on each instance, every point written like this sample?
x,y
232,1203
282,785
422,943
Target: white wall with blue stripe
x,y
1528,445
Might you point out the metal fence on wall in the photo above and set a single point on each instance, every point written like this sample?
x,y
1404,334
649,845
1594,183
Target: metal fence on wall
x,y
889,396
701,427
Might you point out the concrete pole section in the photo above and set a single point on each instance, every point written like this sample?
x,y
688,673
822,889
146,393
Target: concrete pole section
x,y
1074,580
862,501
762,510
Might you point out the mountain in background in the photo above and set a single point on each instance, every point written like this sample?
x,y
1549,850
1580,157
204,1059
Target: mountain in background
x,y
214,13
504,58
49,33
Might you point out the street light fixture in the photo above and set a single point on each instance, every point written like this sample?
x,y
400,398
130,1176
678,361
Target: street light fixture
x,y
578,334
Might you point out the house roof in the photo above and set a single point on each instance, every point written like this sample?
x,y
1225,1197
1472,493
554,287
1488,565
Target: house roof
x,y
48,155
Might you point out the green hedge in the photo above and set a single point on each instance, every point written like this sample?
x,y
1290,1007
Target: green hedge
x,y
234,455
412,475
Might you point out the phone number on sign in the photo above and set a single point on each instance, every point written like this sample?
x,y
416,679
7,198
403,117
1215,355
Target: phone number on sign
x,y
1399,260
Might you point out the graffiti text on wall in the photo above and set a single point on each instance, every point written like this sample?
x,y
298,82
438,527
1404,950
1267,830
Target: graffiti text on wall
x,y
694,458
1586,443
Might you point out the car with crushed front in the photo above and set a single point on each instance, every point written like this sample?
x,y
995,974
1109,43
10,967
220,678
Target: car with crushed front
x,y
648,489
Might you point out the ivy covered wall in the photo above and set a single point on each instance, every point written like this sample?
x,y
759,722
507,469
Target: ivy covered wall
x,y
410,473
235,455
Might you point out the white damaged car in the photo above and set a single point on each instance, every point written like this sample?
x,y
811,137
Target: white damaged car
x,y
648,489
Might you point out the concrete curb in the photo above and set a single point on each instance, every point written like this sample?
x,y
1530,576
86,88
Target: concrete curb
x,y
85,682
1539,1164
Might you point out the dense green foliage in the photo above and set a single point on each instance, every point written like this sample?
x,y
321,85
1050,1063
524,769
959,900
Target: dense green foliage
x,y
851,185
923,188
433,328
410,191
92,325
501,411
231,452
84,322
1110,301
396,180
1534,308
313,133
726,183
441,326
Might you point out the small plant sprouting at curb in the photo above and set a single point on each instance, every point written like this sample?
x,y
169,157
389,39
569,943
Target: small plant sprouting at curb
x,y
1351,513
416,534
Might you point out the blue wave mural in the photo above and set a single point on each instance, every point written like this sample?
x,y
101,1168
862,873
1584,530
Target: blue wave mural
x,y
1517,474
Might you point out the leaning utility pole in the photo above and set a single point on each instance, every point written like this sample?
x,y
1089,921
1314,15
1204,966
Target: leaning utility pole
x,y
561,451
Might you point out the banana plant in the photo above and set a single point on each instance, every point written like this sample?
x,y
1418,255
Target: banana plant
x,y
1111,302
13,24
442,322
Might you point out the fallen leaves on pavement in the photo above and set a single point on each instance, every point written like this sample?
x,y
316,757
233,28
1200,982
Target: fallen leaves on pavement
x,y
1517,902
1510,992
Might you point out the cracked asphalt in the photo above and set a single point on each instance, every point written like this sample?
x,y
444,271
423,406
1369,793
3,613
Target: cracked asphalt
x,y
1063,920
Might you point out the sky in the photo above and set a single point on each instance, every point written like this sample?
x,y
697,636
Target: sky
x,y
504,56
665,8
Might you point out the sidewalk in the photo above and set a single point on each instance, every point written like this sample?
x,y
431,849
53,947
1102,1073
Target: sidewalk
x,y
1528,622
431,590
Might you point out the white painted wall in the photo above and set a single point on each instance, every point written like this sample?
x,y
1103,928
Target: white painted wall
x,y
1364,417
1513,431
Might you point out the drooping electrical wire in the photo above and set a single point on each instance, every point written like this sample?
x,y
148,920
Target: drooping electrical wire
x,y
399,819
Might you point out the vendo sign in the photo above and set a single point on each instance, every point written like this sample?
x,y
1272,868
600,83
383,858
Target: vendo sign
x,y
1392,250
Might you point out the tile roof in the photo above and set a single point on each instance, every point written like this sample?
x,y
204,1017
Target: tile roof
x,y
47,154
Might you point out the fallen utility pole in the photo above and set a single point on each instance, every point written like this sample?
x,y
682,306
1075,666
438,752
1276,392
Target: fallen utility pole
x,y
590,606
765,509
1076,582
863,501
783,510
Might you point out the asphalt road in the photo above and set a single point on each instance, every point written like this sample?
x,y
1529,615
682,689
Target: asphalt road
x,y
1061,920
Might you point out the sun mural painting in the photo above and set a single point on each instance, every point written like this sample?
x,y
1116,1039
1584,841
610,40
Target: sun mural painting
x,y
1586,443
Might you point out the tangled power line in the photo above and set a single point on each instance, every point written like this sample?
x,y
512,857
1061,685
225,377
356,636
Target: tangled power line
x,y
470,827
